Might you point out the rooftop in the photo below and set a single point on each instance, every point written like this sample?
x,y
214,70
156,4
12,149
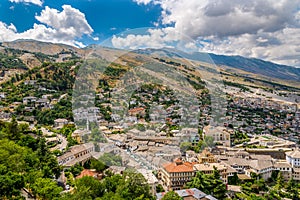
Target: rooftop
x,y
293,154
209,166
260,164
87,172
193,192
179,167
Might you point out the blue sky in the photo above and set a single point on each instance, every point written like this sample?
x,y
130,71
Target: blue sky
x,y
105,17
265,29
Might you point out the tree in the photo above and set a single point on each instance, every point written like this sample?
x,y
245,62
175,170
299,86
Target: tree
x,y
10,183
210,184
89,187
159,188
291,184
171,196
216,186
112,182
12,130
134,186
279,181
45,188
184,146
97,165
110,159
233,180
111,196
208,142
76,169
292,189
199,182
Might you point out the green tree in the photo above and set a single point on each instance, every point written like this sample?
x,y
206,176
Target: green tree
x,y
97,165
134,186
279,181
216,186
184,146
171,195
200,182
159,188
45,188
12,130
10,183
112,182
234,180
76,169
110,159
111,196
89,188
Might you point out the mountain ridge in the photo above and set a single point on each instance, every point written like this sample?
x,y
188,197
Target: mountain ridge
x,y
252,65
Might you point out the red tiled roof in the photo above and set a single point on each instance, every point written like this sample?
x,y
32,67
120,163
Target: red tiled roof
x,y
184,167
87,172
136,109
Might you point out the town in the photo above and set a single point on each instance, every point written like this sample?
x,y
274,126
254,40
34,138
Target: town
x,y
258,139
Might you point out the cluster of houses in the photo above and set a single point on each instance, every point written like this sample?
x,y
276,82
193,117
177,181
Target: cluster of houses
x,y
229,161
264,116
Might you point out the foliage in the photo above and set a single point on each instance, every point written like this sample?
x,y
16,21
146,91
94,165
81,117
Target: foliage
x,y
129,186
210,184
171,196
45,188
159,188
233,180
110,159
63,109
11,62
76,169
26,162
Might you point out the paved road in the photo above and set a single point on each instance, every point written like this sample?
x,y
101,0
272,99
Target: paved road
x,y
63,145
63,141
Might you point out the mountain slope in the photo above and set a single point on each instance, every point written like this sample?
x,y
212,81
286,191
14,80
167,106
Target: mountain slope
x,y
252,65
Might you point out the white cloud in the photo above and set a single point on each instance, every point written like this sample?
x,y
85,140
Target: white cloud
x,y
36,2
265,29
58,27
149,38
145,2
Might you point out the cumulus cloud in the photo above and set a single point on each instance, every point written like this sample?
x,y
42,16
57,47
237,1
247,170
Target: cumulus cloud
x,y
145,2
36,2
151,38
55,26
265,29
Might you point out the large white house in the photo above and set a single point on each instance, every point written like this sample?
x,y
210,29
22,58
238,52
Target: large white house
x,y
293,158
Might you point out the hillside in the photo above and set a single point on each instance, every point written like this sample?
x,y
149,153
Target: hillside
x,y
252,65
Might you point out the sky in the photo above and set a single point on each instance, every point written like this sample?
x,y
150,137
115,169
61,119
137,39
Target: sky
x,y
264,29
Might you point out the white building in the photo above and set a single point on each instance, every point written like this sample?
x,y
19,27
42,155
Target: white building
x,y
220,135
293,158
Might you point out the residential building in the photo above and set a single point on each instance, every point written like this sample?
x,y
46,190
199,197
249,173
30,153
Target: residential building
x,y
59,123
77,154
293,158
137,111
79,134
206,157
189,194
220,135
285,168
176,174
262,167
